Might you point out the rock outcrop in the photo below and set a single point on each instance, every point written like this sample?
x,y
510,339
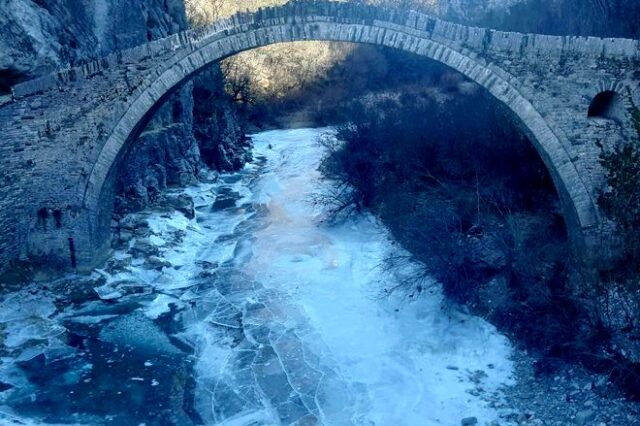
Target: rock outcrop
x,y
218,127
165,154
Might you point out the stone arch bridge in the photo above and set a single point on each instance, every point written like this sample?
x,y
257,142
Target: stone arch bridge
x,y
64,134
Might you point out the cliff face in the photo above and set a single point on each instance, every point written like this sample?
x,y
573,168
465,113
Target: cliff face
x,y
165,154
41,35
198,127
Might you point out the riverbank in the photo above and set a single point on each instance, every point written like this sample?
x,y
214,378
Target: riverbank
x,y
571,396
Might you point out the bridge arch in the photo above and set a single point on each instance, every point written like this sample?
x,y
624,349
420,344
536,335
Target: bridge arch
x,y
607,105
253,32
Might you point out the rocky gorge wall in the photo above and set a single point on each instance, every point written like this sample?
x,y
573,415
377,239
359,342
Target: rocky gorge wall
x,y
44,35
197,128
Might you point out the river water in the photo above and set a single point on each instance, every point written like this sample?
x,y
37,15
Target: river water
x,y
257,312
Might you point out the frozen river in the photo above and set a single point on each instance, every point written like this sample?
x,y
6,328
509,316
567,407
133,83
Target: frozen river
x,y
255,312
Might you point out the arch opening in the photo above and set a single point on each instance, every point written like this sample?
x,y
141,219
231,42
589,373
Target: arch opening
x,y
607,105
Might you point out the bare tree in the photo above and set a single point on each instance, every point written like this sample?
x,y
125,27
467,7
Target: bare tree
x,y
238,82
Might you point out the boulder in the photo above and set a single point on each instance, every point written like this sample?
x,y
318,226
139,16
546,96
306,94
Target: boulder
x,y
182,203
155,262
108,292
487,252
144,248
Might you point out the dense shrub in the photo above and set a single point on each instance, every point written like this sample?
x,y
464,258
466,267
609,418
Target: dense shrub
x,y
466,193
440,143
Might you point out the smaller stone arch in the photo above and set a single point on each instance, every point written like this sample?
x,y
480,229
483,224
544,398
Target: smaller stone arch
x,y
608,105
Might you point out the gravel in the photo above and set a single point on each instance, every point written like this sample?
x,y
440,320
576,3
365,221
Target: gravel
x,y
571,395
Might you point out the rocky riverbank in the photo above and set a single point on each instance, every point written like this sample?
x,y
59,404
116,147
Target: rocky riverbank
x,y
572,396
